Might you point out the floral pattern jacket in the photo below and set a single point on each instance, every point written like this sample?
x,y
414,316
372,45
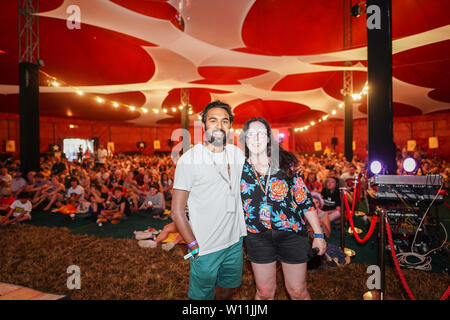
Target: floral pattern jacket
x,y
289,199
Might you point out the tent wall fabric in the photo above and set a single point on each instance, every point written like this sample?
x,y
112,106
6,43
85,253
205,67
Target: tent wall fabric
x,y
125,137
422,130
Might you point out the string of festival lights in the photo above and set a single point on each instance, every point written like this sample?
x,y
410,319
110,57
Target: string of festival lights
x,y
55,82
355,97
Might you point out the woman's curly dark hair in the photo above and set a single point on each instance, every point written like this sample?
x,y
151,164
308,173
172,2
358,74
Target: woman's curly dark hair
x,y
285,160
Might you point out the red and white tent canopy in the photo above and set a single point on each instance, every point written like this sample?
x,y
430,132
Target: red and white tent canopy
x,y
282,60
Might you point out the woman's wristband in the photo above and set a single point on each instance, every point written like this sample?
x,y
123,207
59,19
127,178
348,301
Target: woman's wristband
x,y
193,243
318,235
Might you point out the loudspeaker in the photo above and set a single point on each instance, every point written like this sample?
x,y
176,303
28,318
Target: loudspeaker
x,y
334,141
140,145
29,143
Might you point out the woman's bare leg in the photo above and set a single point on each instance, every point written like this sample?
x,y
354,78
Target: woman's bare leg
x,y
266,280
295,280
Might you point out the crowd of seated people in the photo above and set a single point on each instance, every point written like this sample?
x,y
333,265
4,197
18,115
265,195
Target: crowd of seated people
x,y
116,187
325,174
105,192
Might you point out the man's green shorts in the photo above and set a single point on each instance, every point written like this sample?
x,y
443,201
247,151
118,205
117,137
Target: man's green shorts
x,y
222,268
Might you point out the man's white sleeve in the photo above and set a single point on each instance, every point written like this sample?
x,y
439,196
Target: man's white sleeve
x,y
184,175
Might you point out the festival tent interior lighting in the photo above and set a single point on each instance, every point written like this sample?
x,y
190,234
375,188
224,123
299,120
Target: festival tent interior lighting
x,y
127,73
281,60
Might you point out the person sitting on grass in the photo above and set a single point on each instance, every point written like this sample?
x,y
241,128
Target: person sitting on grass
x,y
6,199
19,210
149,243
70,208
54,193
42,187
334,256
76,189
97,201
17,183
120,211
323,216
154,204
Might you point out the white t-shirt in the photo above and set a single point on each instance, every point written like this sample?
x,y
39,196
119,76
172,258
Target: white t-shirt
x,y
213,227
102,176
6,178
17,183
77,190
101,155
20,207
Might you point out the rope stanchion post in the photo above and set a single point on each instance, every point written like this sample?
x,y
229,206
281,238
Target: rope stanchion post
x,y
342,217
382,251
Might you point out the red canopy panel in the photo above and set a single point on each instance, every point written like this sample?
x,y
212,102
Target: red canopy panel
x,y
293,27
226,75
275,112
198,99
93,56
160,9
400,109
71,105
440,95
426,66
331,82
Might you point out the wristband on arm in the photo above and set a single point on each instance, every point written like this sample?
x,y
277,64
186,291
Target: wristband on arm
x,y
191,254
318,235
193,243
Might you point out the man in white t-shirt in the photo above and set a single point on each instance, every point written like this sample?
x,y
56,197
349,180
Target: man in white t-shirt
x,y
102,153
207,179
19,210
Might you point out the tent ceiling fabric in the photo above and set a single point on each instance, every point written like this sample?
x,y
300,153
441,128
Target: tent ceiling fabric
x,y
279,59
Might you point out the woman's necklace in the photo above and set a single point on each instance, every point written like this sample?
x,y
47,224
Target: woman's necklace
x,y
261,165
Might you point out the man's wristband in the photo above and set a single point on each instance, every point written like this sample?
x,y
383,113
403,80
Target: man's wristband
x,y
192,253
193,243
318,235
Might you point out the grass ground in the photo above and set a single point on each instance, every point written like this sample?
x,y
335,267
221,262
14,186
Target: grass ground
x,y
112,268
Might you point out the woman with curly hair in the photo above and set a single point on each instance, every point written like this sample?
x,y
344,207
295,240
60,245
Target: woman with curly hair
x,y
276,201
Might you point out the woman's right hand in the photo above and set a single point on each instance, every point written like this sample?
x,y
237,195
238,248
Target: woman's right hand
x,y
321,244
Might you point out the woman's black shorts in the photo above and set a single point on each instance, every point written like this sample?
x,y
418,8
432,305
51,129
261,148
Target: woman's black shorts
x,y
271,245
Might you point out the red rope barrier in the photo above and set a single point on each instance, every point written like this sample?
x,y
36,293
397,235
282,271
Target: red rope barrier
x,y
356,193
371,228
446,204
397,265
446,295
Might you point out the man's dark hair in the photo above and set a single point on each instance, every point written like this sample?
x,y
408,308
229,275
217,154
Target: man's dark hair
x,y
73,179
217,104
24,195
118,189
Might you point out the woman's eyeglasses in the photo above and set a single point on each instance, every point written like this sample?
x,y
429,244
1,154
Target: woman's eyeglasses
x,y
259,134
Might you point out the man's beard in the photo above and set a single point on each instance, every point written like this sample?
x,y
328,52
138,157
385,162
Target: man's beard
x,y
215,141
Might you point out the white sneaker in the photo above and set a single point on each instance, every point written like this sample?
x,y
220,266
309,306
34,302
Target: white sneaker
x,y
144,235
147,244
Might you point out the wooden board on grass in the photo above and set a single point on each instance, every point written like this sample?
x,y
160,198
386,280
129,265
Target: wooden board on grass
x,y
13,292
